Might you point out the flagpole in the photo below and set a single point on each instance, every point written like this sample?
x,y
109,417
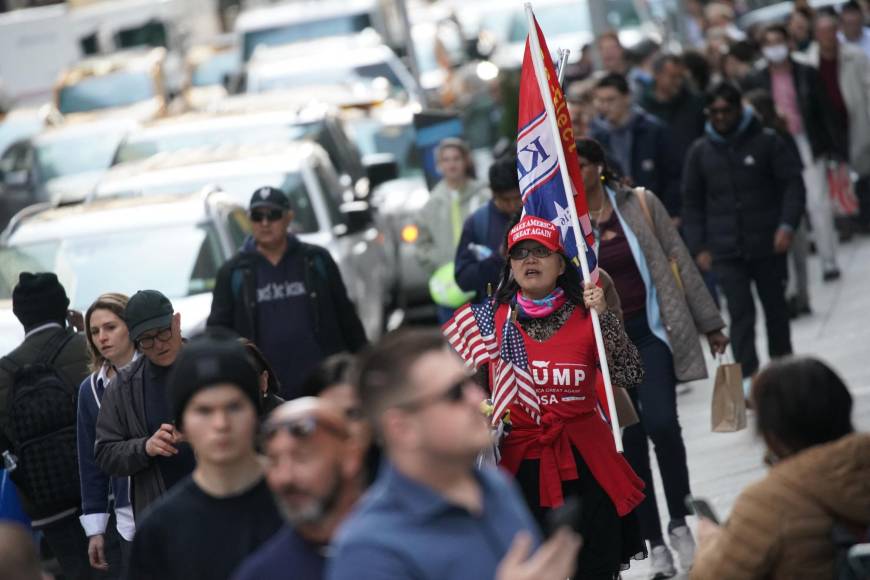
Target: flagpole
x,y
541,76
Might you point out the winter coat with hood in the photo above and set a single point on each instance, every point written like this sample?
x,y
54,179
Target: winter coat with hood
x,y
781,527
739,189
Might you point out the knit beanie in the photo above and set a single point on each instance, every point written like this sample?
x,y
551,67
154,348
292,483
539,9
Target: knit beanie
x,y
205,362
39,298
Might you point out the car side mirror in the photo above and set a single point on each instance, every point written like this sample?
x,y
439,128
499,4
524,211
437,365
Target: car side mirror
x,y
357,217
380,168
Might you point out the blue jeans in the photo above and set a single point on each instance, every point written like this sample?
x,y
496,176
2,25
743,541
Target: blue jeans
x,y
656,402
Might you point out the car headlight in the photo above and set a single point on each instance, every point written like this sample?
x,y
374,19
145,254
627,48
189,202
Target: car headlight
x,y
410,233
486,71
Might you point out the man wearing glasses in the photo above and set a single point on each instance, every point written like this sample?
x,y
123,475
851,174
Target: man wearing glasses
x,y
315,470
135,433
214,518
743,198
430,513
285,295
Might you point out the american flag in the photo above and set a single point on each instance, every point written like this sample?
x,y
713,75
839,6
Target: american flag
x,y
471,333
512,379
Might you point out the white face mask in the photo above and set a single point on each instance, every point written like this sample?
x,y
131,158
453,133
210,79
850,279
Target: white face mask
x,y
776,53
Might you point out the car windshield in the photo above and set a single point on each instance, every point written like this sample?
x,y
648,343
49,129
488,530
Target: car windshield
x,y
105,91
379,75
76,154
147,144
305,30
177,260
372,136
213,70
240,188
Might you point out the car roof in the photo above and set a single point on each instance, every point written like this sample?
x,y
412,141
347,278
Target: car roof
x,y
83,127
779,12
213,161
308,11
230,114
283,61
125,60
110,215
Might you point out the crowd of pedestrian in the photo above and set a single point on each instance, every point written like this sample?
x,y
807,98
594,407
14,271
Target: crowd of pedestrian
x,y
279,443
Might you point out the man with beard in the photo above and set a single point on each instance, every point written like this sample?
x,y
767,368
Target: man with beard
x,y
211,520
315,472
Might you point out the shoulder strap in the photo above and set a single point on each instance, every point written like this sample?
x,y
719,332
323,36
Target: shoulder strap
x,y
640,192
480,223
54,346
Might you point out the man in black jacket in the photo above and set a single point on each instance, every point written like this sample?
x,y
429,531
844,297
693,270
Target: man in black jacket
x,y
743,197
639,142
285,295
33,410
797,89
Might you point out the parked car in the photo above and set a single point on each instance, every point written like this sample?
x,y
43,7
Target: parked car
x,y
207,69
302,21
124,84
59,164
325,211
252,120
174,244
363,62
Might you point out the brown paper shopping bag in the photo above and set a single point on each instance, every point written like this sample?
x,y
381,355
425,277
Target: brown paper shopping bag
x,y
728,411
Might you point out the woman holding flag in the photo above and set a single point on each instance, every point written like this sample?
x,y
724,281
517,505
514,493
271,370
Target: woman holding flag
x,y
665,306
559,445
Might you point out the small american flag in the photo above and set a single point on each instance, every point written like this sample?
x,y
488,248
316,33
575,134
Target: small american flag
x,y
471,333
512,378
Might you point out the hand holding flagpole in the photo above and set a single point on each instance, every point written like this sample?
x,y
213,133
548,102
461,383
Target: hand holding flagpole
x,y
543,84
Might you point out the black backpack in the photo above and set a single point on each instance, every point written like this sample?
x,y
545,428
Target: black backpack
x,y
41,407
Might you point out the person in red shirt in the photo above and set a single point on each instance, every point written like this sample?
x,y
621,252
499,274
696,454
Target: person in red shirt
x,y
560,444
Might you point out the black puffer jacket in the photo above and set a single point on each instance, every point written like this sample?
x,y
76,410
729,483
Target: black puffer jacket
x,y
683,115
336,323
738,191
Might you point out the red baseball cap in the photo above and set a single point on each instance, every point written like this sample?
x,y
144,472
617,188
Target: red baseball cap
x,y
537,229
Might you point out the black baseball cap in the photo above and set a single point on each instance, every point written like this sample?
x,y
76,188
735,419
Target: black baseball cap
x,y
147,310
270,197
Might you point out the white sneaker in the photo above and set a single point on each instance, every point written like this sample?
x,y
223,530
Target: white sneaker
x,y
683,544
661,563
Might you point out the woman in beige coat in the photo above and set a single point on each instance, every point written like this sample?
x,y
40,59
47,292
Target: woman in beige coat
x,y
665,306
781,527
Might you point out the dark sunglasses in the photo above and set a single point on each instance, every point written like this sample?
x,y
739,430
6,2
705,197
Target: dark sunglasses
x,y
271,215
302,428
516,253
148,341
455,394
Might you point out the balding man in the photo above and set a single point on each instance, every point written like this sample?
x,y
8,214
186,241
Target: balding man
x,y
315,471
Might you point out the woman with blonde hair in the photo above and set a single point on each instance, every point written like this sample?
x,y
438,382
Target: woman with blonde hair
x,y
111,349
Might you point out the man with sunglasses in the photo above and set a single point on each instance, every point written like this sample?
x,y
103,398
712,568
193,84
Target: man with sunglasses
x,y
213,519
743,197
431,514
285,295
315,471
135,434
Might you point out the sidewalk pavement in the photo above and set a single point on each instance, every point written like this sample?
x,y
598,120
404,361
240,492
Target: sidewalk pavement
x,y
838,332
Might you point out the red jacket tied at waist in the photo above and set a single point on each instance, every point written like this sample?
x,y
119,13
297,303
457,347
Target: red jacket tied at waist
x,y
552,442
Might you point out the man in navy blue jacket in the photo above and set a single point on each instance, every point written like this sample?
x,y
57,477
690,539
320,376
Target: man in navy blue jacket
x,y
479,259
640,143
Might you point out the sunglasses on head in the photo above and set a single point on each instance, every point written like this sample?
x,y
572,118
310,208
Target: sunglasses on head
x,y
301,428
454,394
521,253
271,215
